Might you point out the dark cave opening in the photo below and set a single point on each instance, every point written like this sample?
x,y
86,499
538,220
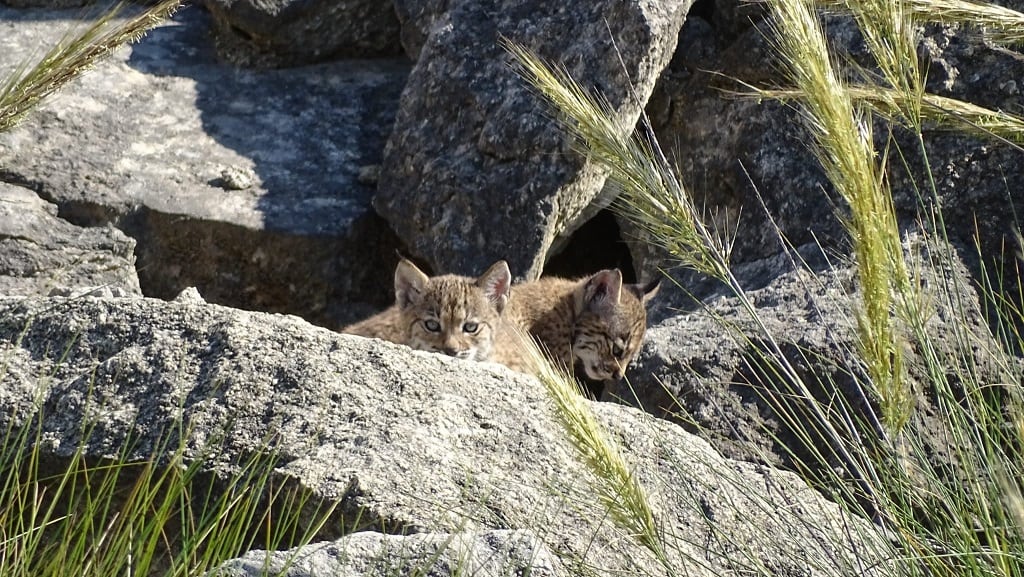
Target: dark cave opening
x,y
702,9
596,245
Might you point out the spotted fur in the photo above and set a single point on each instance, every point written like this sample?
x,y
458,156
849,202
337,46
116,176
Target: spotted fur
x,y
596,323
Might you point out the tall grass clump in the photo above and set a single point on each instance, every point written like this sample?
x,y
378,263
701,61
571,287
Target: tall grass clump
x,y
961,517
30,83
89,516
957,527
844,144
967,522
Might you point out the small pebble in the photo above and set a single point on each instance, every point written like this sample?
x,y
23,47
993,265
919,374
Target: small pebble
x,y
234,178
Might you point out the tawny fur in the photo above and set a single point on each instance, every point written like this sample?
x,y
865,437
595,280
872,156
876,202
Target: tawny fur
x,y
596,323
454,315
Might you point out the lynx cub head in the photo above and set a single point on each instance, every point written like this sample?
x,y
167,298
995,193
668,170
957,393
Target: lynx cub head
x,y
610,323
450,314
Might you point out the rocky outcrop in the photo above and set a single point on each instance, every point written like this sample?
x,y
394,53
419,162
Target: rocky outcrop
x,y
409,442
700,370
250,186
475,170
41,254
261,189
300,32
256,187
744,157
732,151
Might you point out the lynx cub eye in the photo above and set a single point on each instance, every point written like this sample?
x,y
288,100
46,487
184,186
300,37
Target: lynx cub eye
x,y
617,348
432,325
470,328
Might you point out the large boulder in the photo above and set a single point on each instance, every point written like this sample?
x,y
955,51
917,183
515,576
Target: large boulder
x,y
254,187
735,153
407,442
42,254
748,163
475,169
299,32
705,368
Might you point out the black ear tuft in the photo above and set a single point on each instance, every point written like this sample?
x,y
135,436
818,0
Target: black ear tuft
x,y
649,290
645,292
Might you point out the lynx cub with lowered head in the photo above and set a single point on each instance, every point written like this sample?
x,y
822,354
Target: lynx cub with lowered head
x,y
454,315
596,323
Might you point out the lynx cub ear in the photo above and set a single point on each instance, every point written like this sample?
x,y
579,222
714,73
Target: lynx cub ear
x,y
646,292
602,290
496,283
409,283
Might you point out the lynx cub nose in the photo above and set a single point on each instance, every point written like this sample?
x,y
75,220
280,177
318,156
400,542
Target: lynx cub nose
x,y
452,351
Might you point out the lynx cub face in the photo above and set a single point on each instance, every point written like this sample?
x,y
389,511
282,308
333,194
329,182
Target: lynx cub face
x,y
611,320
595,323
450,314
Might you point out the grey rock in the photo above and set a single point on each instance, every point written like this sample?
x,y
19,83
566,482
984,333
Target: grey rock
x,y
475,170
740,156
280,33
731,18
692,366
409,442
367,554
977,179
702,368
144,140
42,254
45,3
190,295
234,178
735,153
418,19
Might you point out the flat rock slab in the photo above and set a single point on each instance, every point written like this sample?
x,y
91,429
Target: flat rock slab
x,y
476,170
41,254
486,554
410,442
244,184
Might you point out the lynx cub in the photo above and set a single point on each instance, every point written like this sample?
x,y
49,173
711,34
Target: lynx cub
x,y
595,322
449,314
